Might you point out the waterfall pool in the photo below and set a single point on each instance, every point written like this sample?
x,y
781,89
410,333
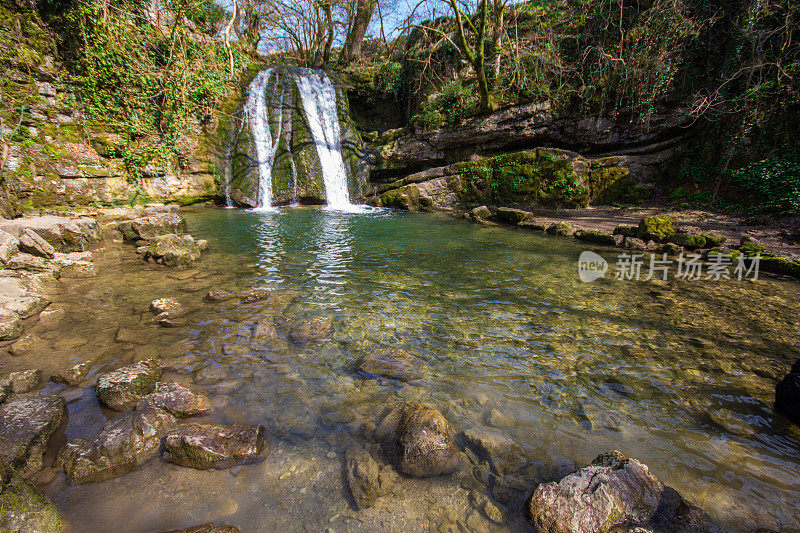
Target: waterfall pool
x,y
679,374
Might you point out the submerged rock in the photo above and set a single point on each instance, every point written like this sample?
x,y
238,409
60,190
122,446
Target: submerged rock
x,y
26,425
122,445
393,363
166,305
177,400
74,374
368,479
220,296
423,439
205,446
121,389
75,265
23,508
611,491
314,330
173,250
787,394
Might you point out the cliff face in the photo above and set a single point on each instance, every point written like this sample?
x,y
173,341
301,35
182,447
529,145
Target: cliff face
x,y
53,153
524,156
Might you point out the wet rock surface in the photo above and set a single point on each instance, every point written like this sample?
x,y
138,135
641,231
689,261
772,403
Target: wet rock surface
x,y
153,225
121,389
204,446
313,330
75,265
394,363
173,250
23,508
367,478
63,233
176,400
122,445
75,374
611,492
26,424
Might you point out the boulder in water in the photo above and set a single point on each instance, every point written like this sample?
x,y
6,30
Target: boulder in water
x,y
368,479
167,305
26,424
613,490
122,389
63,233
23,508
314,330
176,399
75,265
173,250
152,226
394,363
787,394
122,445
204,446
74,374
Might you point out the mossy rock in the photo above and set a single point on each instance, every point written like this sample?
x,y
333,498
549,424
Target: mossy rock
x,y
656,228
692,242
750,246
779,265
23,508
512,216
406,198
597,237
626,231
714,239
562,229
669,248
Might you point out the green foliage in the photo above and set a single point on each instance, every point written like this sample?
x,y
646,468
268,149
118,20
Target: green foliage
x,y
773,184
449,107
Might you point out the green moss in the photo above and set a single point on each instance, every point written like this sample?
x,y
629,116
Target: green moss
x,y
406,198
687,241
657,228
190,200
561,229
21,503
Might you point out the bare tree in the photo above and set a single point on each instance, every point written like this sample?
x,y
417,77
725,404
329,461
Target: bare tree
x,y
358,29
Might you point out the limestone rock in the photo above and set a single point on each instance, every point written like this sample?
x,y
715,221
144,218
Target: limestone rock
x,y
480,213
10,325
24,380
32,243
787,394
167,305
73,375
510,215
205,446
63,233
75,264
313,330
598,237
26,424
173,250
367,478
24,509
9,246
152,226
393,363
610,491
176,400
122,445
122,389
32,263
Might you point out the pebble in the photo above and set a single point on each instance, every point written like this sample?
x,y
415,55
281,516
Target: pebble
x,y
331,455
285,475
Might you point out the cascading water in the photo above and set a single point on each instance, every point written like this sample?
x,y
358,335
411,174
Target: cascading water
x,y
319,103
266,110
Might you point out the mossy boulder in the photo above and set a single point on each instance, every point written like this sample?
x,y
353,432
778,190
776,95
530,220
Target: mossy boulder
x,y
687,240
714,239
598,237
480,213
204,446
656,228
406,198
174,250
561,229
122,389
513,216
23,508
626,231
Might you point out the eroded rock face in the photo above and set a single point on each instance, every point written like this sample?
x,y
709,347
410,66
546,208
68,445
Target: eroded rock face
x,y
33,243
63,233
75,265
173,250
315,329
176,400
9,245
26,424
611,491
393,363
153,225
787,394
368,479
122,445
423,439
205,446
122,389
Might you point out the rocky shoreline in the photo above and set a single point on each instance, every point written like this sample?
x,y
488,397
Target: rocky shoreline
x,y
153,410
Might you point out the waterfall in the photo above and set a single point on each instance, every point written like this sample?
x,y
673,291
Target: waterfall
x,y
319,102
264,110
258,117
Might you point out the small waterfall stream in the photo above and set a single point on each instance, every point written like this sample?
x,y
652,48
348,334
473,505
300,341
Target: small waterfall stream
x,y
265,108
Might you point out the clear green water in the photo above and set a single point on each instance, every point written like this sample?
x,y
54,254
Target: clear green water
x,y
678,374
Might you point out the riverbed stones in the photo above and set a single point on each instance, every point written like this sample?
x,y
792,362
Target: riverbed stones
x,y
393,363
23,508
204,446
173,250
24,380
166,305
312,330
10,325
510,215
75,264
33,243
152,226
220,296
122,389
367,478
124,443
422,438
176,400
26,424
75,374
32,263
787,394
63,233
611,491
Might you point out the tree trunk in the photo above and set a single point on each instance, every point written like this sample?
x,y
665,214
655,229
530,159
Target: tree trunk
x,y
352,44
483,84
